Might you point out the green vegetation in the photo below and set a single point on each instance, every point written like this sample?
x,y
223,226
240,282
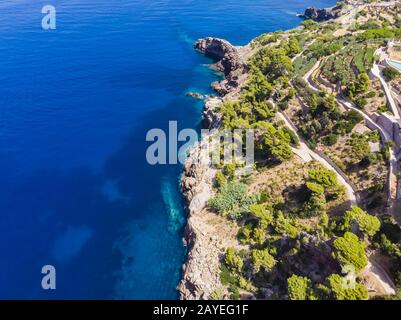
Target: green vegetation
x,y
262,258
344,289
364,59
275,144
368,225
298,287
350,251
233,260
295,224
390,73
381,33
309,24
324,122
232,200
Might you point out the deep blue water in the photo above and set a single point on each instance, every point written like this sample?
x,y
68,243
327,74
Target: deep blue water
x,y
75,106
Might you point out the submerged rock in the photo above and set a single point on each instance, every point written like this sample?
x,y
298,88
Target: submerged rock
x,y
195,95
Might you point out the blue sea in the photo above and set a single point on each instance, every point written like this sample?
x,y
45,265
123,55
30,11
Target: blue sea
x,y
76,191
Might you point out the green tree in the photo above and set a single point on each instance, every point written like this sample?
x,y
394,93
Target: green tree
x,y
258,88
262,258
221,180
362,83
309,24
313,102
229,171
350,251
275,144
272,62
366,223
261,212
298,287
330,102
315,205
293,47
325,177
259,236
245,234
390,73
344,289
233,260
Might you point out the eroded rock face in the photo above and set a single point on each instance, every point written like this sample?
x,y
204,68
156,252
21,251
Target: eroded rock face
x,y
321,14
206,241
210,117
229,59
224,53
206,244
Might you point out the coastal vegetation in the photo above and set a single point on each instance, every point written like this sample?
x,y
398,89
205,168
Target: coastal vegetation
x,y
300,235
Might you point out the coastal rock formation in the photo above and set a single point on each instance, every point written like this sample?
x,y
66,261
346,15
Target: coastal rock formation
x,y
200,272
211,118
207,235
320,15
230,60
206,242
196,95
224,53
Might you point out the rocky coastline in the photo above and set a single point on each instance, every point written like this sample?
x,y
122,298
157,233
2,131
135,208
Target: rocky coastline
x,y
320,15
203,241
207,235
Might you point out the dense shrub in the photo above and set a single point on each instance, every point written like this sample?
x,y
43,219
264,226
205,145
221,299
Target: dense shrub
x,y
232,200
390,73
368,225
298,287
262,259
350,251
344,289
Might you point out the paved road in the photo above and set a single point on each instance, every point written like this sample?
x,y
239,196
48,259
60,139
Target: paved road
x,y
307,154
373,266
394,109
371,124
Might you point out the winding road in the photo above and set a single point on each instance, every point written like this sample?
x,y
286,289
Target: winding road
x,y
373,267
307,154
394,109
392,180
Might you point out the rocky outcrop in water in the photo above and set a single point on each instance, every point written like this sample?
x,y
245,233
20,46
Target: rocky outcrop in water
x,y
229,59
320,15
195,95
206,241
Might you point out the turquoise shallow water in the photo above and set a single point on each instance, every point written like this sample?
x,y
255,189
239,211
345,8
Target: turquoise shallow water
x,y
75,106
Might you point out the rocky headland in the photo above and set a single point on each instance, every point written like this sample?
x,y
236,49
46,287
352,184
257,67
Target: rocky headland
x,y
320,15
206,235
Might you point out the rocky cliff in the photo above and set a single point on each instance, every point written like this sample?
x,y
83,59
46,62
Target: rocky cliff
x,y
320,15
207,236
229,59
